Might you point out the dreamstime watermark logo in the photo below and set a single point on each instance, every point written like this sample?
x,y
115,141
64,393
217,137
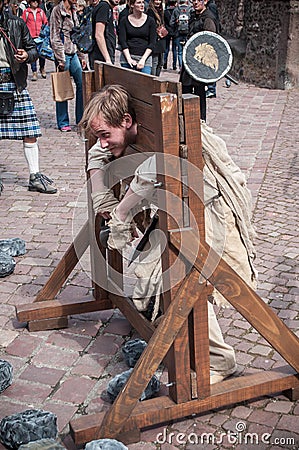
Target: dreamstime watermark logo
x,y
239,436
175,206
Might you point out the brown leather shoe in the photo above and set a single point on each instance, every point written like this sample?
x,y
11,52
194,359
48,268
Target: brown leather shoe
x,y
43,73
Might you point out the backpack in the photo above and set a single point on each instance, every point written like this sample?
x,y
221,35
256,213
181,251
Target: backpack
x,y
183,19
82,34
43,45
22,6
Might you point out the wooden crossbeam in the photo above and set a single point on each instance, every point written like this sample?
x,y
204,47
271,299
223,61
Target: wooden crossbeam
x,y
161,341
239,295
163,409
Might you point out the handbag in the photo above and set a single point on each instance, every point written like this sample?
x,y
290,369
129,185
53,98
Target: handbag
x,y
7,103
62,86
162,31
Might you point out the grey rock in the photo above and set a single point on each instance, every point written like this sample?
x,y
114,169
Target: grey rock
x,y
7,265
5,374
117,383
13,246
105,444
27,426
42,444
132,351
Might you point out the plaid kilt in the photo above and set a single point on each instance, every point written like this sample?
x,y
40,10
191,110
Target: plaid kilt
x,y
23,121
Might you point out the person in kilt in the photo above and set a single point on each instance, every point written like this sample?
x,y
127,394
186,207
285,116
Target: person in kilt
x,y
17,49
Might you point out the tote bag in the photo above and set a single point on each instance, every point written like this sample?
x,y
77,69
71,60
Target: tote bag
x,y
62,86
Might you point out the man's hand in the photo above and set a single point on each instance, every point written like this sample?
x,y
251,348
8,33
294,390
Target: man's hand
x,y
104,214
21,56
83,64
61,66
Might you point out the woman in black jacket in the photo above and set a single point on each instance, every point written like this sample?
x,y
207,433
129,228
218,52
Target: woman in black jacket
x,y
201,19
155,10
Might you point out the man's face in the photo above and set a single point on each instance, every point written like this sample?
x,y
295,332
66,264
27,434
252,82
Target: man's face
x,y
114,3
114,139
198,5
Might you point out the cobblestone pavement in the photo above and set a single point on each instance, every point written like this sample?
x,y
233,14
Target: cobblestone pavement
x,y
65,371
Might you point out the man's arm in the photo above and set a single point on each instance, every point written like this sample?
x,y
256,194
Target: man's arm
x,y
103,198
101,41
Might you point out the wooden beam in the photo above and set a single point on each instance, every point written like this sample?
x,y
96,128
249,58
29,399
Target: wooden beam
x,y
161,341
59,308
163,410
234,289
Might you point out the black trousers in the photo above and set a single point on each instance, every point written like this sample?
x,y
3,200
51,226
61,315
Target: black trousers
x,y
200,90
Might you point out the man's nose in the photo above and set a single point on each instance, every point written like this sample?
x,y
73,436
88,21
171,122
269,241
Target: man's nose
x,y
104,143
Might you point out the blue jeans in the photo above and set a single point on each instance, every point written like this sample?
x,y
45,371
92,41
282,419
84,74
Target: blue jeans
x,y
72,63
174,51
178,43
42,63
211,88
146,69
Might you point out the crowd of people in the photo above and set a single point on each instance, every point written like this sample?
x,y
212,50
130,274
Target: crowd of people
x,y
142,31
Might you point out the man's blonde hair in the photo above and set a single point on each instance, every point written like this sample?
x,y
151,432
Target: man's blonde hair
x,y
112,102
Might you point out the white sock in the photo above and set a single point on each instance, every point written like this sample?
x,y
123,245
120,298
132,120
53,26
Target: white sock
x,y
31,155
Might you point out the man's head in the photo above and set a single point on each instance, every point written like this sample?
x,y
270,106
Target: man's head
x,y
110,116
198,5
33,4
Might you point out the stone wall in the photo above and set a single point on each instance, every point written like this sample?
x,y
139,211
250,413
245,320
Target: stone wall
x,y
264,36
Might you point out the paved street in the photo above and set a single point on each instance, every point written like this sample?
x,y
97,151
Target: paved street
x,y
66,371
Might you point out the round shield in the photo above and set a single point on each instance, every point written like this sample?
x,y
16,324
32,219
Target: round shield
x,y
207,57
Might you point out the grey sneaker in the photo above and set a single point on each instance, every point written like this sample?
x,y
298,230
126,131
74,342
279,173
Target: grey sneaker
x,y
40,183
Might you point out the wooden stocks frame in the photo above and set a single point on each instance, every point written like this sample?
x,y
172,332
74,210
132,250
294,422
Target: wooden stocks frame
x,y
169,125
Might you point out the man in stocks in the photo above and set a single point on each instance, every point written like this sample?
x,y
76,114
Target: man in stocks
x,y
112,119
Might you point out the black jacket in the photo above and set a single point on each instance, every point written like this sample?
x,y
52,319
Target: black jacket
x,y
205,21
18,33
198,22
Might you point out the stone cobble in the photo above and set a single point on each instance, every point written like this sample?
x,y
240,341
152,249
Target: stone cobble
x,y
65,371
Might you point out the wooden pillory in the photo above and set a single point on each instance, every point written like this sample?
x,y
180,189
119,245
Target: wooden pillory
x,y
168,124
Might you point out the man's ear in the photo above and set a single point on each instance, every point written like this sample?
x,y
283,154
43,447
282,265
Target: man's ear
x,y
128,121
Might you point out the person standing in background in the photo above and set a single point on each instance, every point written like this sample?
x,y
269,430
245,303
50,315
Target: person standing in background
x,y
22,6
172,35
63,19
103,33
211,5
17,49
137,38
35,18
81,6
201,19
156,11
180,22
